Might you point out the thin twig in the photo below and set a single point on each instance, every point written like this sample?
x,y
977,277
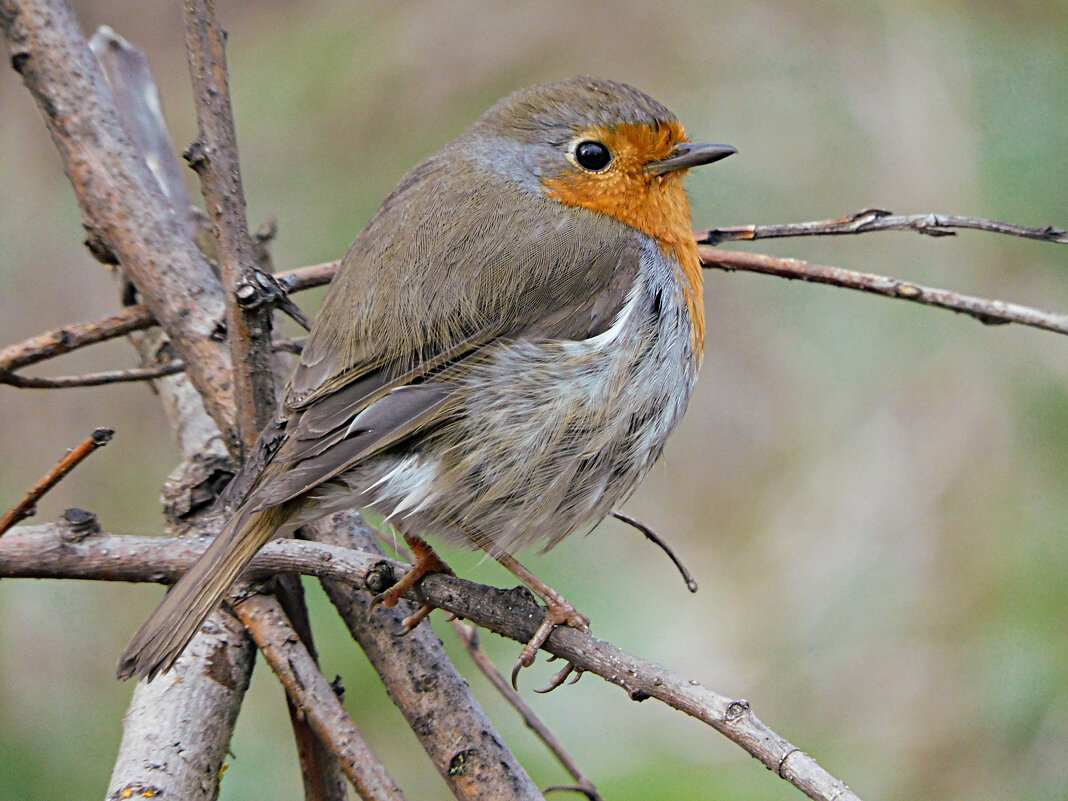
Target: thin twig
x,y
468,635
25,508
133,318
72,337
654,538
315,697
40,552
989,312
870,220
91,379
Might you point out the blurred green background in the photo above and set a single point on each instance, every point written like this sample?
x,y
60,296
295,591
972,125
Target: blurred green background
x,y
870,494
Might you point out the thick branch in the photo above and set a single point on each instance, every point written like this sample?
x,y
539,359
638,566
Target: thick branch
x,y
989,312
422,681
123,207
40,552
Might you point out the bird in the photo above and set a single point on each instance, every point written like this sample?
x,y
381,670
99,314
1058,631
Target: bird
x,y
499,359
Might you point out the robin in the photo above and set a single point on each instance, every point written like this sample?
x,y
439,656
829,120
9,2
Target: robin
x,y
500,358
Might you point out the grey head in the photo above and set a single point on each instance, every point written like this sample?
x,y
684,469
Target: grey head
x,y
531,132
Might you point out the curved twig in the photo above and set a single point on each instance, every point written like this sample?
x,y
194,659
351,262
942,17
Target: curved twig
x,y
91,379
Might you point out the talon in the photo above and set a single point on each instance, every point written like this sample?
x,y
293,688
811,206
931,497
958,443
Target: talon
x,y
417,617
560,677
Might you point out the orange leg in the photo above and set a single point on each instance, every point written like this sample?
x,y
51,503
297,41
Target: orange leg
x,y
426,561
558,610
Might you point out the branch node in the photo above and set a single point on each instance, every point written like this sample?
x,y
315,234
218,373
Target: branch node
x,y
737,710
196,155
77,524
380,577
908,290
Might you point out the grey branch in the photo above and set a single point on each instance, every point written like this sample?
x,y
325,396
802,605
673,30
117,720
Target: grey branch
x,y
312,694
988,312
434,698
124,209
214,157
870,220
42,552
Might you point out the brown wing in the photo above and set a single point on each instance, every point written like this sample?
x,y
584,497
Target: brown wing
x,y
482,262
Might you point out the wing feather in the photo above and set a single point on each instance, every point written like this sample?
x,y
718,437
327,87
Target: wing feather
x,y
405,313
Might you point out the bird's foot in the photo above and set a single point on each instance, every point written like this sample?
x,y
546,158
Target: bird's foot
x,y
558,611
426,561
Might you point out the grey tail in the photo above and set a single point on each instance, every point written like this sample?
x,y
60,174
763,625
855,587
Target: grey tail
x,y
167,632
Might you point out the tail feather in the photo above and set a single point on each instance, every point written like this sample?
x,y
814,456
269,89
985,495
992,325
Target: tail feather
x,y
169,629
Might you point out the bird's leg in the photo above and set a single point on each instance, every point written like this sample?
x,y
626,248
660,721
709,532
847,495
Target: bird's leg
x,y
558,610
426,561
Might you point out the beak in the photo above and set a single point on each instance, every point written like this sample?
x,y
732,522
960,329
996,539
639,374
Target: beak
x,y
689,155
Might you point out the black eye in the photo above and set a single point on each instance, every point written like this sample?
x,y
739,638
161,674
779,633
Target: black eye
x,y
592,156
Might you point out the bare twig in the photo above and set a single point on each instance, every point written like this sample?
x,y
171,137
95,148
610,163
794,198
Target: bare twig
x,y
91,379
72,337
214,157
989,312
40,552
315,698
64,340
468,635
654,538
870,220
25,508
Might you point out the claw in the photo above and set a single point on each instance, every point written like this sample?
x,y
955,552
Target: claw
x,y
558,678
416,617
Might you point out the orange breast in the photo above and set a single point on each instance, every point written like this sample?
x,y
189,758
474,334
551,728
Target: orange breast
x,y
655,205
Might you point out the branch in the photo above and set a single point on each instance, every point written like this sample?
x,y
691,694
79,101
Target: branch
x,y
436,701
988,312
123,206
176,734
24,508
870,220
468,635
40,552
46,346
214,158
296,668
92,379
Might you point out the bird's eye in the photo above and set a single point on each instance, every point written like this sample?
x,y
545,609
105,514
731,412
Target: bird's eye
x,y
592,156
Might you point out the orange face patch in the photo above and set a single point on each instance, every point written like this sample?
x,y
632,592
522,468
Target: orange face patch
x,y
656,205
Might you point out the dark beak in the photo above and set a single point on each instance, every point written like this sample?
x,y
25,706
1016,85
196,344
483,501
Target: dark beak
x,y
689,155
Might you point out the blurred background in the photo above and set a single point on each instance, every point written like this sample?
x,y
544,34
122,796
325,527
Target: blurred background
x,y
869,493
